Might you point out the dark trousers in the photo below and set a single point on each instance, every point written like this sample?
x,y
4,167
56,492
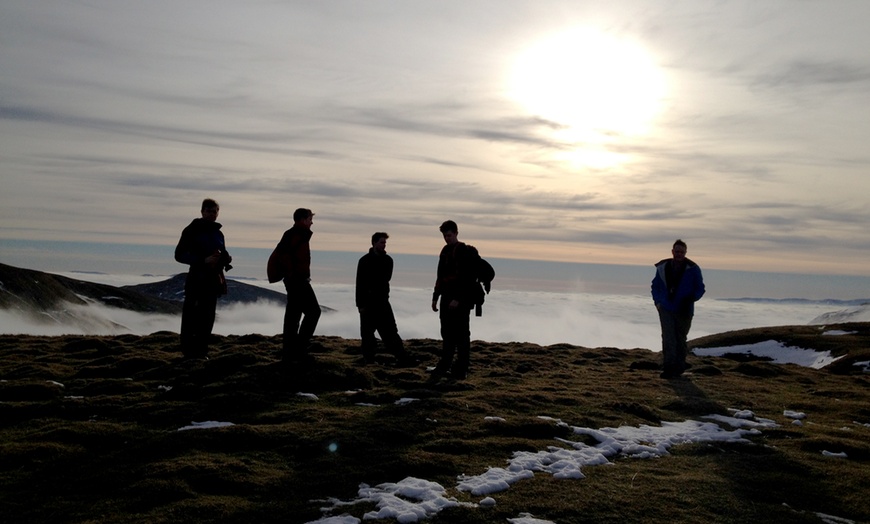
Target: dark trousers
x,y
456,338
197,319
301,300
675,332
379,317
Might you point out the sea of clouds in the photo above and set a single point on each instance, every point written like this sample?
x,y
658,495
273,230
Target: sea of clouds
x,y
583,319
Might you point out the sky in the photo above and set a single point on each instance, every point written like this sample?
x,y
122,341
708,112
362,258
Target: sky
x,y
549,130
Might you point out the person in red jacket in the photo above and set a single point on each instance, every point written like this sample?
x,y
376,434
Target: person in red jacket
x,y
294,257
202,246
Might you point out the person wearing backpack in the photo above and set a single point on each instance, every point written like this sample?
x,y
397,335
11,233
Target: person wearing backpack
x,y
455,286
202,246
291,262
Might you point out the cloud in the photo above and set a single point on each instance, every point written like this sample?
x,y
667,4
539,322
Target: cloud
x,y
807,73
383,116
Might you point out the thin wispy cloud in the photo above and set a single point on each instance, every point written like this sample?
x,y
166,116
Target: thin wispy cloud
x,y
117,120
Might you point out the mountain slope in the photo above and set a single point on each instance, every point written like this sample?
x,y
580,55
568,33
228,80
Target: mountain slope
x,y
35,292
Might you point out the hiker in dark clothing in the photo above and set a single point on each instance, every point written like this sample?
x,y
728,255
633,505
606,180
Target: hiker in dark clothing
x,y
454,286
294,257
373,274
677,285
202,247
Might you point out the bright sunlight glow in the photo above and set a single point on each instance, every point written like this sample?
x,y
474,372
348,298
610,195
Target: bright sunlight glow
x,y
597,87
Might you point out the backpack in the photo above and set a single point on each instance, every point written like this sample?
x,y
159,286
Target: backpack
x,y
484,274
275,267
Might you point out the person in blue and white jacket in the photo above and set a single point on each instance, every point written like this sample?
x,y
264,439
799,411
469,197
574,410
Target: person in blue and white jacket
x,y
677,285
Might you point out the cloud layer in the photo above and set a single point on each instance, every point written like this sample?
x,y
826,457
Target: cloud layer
x,y
117,120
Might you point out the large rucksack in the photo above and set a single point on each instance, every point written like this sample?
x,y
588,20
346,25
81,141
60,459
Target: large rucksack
x,y
484,274
275,266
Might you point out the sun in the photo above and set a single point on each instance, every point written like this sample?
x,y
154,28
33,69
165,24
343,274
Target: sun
x,y
598,88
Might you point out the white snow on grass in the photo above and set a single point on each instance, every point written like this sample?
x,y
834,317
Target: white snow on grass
x,y
776,351
413,499
311,396
209,424
527,518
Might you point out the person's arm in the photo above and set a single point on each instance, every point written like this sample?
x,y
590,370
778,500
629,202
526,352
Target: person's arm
x,y
658,290
436,293
360,284
700,289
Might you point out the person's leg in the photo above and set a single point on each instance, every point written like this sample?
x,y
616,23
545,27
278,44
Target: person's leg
x,y
448,339
292,315
463,344
367,327
389,332
188,326
206,311
670,362
683,325
311,312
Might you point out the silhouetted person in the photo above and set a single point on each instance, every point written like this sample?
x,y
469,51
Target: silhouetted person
x,y
202,246
454,285
373,274
678,284
294,257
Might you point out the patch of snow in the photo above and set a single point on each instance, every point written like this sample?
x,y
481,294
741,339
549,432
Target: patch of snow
x,y
830,519
527,518
838,332
778,352
209,424
797,415
312,396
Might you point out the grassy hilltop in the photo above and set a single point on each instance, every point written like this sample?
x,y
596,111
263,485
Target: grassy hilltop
x,y
89,431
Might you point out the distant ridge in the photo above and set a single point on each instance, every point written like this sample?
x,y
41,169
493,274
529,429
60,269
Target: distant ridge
x,y
33,291
827,301
172,289
48,297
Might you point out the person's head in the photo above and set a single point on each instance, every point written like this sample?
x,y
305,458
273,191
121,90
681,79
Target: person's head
x,y
303,217
679,250
450,231
379,241
210,209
